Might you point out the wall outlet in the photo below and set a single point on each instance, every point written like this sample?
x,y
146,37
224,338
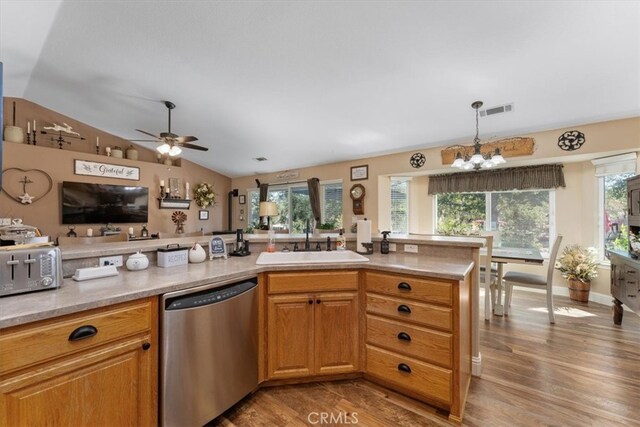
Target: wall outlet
x,y
5,221
411,248
392,247
111,260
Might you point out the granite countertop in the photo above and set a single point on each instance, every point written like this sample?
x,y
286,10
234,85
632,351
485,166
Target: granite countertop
x,y
75,296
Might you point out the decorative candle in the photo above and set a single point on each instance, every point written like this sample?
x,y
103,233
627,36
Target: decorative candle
x,y
167,190
186,188
89,232
130,231
34,125
97,141
162,183
28,126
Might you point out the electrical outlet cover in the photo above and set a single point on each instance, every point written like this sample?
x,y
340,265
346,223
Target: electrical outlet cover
x,y
111,260
392,247
411,248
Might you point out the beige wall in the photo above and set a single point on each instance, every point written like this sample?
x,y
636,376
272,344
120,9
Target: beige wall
x,y
576,205
59,164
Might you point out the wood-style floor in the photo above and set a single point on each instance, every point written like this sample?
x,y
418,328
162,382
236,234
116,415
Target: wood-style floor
x,y
582,371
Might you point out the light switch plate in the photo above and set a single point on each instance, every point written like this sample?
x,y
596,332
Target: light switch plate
x,y
411,248
392,247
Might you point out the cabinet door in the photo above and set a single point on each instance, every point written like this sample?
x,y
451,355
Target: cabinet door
x,y
115,385
290,336
336,333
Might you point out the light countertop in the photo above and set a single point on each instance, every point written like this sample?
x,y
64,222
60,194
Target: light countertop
x,y
74,296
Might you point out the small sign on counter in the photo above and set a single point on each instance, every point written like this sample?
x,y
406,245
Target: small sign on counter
x,y
217,248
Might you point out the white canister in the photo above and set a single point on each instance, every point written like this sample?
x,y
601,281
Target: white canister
x,y
137,261
14,134
172,256
116,152
197,254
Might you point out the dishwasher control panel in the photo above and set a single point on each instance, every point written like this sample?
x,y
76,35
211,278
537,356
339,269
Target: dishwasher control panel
x,y
210,296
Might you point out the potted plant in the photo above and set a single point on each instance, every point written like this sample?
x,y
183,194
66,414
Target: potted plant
x,y
579,265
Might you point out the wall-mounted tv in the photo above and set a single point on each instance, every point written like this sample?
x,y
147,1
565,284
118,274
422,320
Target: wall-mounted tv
x,y
85,203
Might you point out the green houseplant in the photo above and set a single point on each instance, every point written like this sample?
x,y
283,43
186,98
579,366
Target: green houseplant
x,y
578,265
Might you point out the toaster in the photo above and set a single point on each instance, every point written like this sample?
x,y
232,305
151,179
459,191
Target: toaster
x,y
29,270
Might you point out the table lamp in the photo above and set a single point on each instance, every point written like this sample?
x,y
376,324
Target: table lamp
x,y
268,209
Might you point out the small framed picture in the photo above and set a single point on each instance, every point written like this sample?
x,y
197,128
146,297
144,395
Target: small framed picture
x,y
242,199
203,215
359,173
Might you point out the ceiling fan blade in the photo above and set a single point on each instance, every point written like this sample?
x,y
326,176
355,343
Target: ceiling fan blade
x,y
193,146
147,133
144,140
183,139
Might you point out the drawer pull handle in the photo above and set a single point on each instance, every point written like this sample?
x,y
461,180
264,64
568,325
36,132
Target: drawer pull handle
x,y
318,301
404,286
310,301
404,309
146,346
404,368
404,336
86,331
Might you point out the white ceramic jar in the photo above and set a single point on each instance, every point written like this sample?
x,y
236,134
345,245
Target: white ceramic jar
x,y
197,254
137,261
116,152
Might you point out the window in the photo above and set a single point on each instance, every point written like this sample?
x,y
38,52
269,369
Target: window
x,y
612,173
523,218
294,207
400,205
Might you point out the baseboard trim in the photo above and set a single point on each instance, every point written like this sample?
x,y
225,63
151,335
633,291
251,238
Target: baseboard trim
x,y
476,365
596,297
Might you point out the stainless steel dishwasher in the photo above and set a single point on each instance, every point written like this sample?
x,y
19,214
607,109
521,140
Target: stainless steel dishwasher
x,y
209,353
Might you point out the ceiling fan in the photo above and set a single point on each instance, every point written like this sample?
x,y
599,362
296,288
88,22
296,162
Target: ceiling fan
x,y
172,144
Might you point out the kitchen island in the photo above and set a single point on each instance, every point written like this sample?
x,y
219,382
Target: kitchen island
x,y
442,378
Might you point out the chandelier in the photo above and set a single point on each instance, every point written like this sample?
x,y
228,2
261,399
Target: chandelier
x,y
478,160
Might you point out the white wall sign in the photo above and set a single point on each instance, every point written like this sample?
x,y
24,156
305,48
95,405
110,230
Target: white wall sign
x,y
105,170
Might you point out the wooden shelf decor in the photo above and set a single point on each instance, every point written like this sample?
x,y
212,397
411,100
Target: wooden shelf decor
x,y
174,203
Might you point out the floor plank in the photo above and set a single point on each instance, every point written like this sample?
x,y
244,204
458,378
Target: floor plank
x,y
582,371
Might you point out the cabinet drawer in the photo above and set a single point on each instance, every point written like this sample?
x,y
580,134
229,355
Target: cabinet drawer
x,y
46,340
427,290
280,283
425,379
406,310
425,344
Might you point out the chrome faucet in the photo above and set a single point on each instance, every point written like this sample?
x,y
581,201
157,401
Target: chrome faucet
x,y
306,239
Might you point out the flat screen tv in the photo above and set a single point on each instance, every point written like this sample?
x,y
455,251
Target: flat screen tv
x,y
85,203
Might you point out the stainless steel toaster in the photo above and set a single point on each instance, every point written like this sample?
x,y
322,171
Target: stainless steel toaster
x,y
28,270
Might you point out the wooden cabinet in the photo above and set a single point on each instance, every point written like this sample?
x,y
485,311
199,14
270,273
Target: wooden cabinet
x,y
418,337
312,324
92,368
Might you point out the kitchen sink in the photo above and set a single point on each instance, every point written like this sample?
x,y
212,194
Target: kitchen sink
x,y
270,258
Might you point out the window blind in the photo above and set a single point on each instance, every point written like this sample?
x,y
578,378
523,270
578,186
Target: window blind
x,y
400,205
613,165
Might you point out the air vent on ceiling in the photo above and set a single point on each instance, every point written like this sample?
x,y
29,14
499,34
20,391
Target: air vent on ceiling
x,y
260,159
506,108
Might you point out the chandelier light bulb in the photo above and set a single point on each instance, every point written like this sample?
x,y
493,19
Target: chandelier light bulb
x,y
477,159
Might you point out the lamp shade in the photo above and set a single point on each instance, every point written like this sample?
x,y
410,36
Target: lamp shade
x,y
268,209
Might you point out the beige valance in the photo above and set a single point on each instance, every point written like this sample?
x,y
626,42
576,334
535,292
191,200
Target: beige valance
x,y
521,178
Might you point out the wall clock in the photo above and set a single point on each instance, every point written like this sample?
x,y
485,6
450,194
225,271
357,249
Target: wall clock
x,y
357,195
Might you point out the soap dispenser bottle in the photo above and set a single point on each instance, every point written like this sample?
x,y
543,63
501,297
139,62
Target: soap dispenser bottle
x,y
384,244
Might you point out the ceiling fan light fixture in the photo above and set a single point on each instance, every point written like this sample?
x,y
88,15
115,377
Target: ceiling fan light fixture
x,y
458,162
174,151
164,148
497,158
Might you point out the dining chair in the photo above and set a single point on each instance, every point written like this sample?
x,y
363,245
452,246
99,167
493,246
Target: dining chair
x,y
529,280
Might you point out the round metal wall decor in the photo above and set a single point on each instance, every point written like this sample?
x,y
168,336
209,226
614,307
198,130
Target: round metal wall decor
x,y
417,160
571,140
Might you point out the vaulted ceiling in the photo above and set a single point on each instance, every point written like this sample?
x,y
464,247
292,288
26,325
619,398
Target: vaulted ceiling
x,y
306,83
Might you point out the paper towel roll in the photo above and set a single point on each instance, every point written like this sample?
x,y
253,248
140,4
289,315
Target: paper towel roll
x,y
363,235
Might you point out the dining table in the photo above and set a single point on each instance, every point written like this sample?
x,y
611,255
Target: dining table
x,y
504,255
